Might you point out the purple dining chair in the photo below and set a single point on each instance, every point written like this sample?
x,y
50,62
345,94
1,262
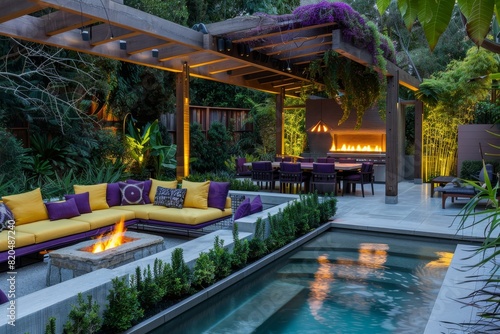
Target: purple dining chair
x,y
264,174
291,177
323,175
363,176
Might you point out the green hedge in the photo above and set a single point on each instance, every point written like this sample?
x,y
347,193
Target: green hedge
x,y
471,168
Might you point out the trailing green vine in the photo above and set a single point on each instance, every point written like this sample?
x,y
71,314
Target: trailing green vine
x,y
354,86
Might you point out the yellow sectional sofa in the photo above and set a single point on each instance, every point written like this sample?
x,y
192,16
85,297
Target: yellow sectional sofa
x,y
95,209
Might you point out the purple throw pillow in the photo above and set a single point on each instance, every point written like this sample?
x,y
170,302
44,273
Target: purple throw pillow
x,y
217,194
243,210
132,193
3,297
113,194
256,205
146,190
61,210
82,202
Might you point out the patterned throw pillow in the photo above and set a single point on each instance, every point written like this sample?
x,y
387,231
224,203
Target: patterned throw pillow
x,y
171,198
132,193
145,192
5,216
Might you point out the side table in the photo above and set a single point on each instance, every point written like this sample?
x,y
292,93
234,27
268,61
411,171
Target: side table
x,y
441,181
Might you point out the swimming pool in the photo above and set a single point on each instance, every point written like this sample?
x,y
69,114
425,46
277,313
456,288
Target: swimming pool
x,y
340,282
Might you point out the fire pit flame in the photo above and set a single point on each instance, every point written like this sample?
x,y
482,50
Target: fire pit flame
x,y
113,239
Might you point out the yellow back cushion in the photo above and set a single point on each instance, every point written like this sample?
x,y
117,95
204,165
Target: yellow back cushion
x,y
97,195
164,184
27,207
196,194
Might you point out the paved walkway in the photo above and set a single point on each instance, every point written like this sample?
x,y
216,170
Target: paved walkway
x,y
415,213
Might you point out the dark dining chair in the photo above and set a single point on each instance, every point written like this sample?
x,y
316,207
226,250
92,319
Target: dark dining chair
x,y
241,169
325,160
363,176
291,177
282,158
323,175
305,159
264,174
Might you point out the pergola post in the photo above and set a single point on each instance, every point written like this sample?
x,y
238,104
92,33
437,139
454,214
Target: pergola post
x,y
392,135
419,116
182,122
280,123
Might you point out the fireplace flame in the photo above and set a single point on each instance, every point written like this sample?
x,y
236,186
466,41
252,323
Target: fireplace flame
x,y
110,240
356,148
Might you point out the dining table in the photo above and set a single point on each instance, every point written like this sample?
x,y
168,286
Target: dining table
x,y
308,166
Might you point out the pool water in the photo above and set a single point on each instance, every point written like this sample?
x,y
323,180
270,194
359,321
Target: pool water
x,y
340,282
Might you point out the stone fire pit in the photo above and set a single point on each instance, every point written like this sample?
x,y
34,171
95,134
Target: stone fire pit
x,y
72,261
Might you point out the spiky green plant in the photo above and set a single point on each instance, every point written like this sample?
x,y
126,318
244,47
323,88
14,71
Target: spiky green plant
x,y
486,297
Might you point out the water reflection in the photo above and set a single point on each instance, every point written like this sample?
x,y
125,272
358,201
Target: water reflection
x,y
371,258
320,287
443,261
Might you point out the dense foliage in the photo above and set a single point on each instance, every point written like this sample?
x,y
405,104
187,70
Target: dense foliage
x,y
152,290
435,17
484,273
451,97
71,102
343,78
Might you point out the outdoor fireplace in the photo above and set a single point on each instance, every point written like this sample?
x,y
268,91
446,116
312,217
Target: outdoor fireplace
x,y
344,137
343,141
76,260
358,142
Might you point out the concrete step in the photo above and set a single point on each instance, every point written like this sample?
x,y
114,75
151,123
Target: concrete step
x,y
257,310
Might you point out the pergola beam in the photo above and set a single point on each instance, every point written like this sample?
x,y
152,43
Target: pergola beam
x,y
274,43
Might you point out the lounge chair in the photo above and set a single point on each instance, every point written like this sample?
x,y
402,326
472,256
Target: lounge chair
x,y
455,189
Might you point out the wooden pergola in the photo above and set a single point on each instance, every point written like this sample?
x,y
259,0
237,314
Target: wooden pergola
x,y
251,51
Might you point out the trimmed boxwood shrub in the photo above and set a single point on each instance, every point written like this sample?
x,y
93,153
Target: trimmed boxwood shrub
x,y
172,282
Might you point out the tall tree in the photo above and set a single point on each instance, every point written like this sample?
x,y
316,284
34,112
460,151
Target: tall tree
x,y
38,81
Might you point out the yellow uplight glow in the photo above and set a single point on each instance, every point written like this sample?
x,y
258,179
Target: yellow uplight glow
x,y
443,261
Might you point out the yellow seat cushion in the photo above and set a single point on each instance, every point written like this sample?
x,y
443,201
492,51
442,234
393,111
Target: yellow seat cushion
x,y
165,184
22,239
196,194
97,194
102,218
188,216
27,207
141,211
46,230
